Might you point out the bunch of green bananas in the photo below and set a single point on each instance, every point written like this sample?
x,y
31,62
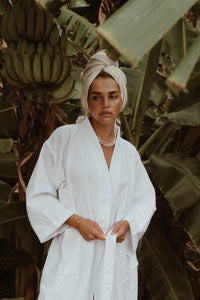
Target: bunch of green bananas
x,y
27,63
30,64
26,20
35,58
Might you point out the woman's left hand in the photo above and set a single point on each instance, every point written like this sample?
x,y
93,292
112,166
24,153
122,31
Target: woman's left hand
x,y
121,228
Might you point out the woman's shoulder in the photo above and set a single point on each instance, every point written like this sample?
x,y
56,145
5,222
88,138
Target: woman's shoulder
x,y
128,147
64,129
62,134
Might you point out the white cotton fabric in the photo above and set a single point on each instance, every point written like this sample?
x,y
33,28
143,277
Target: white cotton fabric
x,y
97,63
108,267
72,176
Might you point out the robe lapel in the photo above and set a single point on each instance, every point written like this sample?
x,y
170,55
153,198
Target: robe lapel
x,y
97,152
104,190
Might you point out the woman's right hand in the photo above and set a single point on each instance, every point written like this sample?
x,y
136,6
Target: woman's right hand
x,y
90,230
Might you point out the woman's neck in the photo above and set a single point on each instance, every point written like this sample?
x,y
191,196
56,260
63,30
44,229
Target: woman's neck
x,y
104,131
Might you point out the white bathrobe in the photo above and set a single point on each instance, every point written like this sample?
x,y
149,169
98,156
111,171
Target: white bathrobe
x,y
72,176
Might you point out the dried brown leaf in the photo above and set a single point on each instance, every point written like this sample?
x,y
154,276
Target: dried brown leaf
x,y
105,10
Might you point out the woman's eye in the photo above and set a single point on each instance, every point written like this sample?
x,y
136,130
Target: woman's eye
x,y
113,97
95,98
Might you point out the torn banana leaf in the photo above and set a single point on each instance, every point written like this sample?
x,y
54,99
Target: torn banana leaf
x,y
14,220
138,25
185,110
178,178
180,77
81,33
8,166
164,274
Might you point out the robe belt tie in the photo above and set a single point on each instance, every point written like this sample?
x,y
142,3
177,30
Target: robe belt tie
x,y
109,264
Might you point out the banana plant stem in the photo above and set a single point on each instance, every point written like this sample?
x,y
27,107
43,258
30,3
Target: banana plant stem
x,y
126,129
152,138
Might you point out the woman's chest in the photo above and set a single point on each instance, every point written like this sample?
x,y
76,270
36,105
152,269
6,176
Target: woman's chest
x,y
88,164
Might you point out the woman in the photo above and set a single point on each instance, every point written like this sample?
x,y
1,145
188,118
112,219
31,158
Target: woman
x,y
91,195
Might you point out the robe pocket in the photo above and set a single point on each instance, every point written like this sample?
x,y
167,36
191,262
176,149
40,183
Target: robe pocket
x,y
122,255
128,265
70,245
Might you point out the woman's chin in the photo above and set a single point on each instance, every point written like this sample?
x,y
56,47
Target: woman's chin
x,y
104,120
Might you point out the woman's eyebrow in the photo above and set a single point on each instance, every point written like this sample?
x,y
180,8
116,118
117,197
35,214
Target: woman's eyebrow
x,y
99,93
113,92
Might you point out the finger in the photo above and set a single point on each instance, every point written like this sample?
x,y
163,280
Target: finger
x,y
120,241
115,229
100,236
100,231
120,233
121,238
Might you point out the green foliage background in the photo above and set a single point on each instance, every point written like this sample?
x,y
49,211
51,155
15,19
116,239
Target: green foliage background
x,y
157,44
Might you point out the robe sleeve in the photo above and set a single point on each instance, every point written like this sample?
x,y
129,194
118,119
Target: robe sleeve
x,y
143,204
46,213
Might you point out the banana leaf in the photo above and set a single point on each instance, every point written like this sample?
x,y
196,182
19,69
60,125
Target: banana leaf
x,y
76,94
73,111
185,110
5,145
15,258
18,298
189,116
179,39
194,79
141,88
157,98
145,90
182,73
78,3
158,93
52,6
4,191
138,25
163,272
8,123
81,33
14,220
8,166
178,178
174,44
134,78
162,140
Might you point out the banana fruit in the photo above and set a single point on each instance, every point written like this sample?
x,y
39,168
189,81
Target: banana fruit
x,y
36,55
12,82
41,63
62,92
28,20
46,66
29,64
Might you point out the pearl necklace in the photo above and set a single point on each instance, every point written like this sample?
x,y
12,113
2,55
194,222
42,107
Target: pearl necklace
x,y
106,144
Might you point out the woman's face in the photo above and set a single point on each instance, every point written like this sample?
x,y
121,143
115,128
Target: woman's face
x,y
104,100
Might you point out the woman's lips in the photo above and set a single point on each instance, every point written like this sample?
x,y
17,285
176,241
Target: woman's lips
x,y
106,113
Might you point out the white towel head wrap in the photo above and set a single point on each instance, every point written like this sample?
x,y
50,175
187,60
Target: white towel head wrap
x,y
97,63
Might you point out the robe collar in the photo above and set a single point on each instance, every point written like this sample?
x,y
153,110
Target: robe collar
x,y
87,125
92,138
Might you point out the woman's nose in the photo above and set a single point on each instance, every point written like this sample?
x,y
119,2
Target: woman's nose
x,y
106,102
